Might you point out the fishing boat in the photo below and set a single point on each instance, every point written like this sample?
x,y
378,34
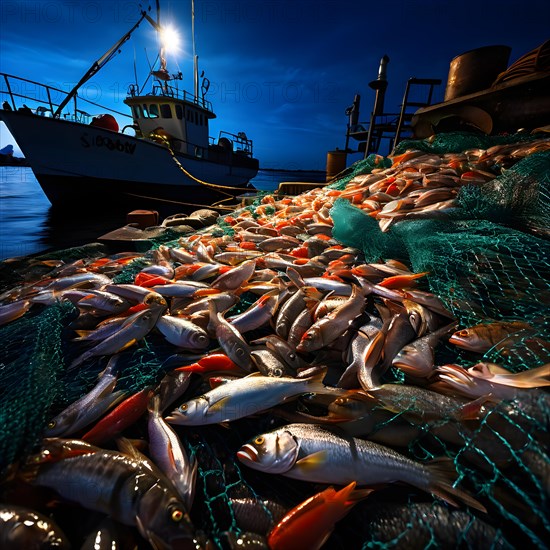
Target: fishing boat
x,y
163,155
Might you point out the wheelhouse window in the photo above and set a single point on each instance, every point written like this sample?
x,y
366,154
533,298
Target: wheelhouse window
x,y
153,110
179,111
165,110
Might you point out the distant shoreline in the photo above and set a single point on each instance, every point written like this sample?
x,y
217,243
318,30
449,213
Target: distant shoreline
x,y
287,170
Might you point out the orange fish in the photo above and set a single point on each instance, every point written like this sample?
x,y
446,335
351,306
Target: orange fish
x,y
310,524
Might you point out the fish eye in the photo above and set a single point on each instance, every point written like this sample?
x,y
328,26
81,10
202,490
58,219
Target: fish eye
x,y
239,352
176,515
292,356
277,372
52,424
259,440
463,332
184,407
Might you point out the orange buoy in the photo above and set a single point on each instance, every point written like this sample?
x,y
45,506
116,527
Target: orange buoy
x,y
108,122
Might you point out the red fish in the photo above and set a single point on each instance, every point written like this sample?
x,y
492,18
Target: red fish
x,y
120,418
310,524
210,363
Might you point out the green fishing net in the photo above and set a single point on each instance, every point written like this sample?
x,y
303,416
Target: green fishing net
x,y
488,260
365,166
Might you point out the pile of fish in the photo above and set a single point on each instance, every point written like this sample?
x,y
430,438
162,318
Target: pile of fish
x,y
277,320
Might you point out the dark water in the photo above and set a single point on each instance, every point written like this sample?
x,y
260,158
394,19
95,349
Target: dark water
x,y
29,225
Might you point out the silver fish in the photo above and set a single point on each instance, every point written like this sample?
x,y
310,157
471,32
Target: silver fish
x,y
134,328
183,333
234,279
360,350
14,310
243,397
269,364
124,487
417,358
258,314
329,328
288,312
89,407
313,453
180,289
230,339
169,454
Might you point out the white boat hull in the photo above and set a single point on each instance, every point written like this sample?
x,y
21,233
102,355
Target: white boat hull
x,y
74,161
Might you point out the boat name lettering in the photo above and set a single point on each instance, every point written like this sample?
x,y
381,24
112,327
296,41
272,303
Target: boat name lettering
x,y
111,144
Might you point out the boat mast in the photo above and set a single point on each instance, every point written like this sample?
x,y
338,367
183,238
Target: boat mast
x,y
195,56
97,65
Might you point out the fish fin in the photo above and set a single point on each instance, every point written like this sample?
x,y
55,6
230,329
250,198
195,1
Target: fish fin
x,y
472,410
294,277
442,474
114,399
216,381
127,345
218,405
153,407
349,495
312,461
311,295
82,334
129,447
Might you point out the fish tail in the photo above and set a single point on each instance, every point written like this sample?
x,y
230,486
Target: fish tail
x,y
442,474
533,378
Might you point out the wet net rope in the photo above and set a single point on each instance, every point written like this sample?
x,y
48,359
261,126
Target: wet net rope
x,y
488,260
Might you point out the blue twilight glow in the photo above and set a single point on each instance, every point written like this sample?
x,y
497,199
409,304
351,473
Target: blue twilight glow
x,y
283,71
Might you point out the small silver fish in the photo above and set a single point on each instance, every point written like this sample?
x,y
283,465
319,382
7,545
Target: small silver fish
x,y
169,454
89,407
183,333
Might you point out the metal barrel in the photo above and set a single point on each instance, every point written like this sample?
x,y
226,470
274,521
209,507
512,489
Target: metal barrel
x,y
336,162
476,70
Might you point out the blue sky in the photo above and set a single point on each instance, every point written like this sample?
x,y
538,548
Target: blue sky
x,y
282,71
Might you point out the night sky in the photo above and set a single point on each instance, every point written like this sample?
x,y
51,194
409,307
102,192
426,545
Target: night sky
x,y
283,71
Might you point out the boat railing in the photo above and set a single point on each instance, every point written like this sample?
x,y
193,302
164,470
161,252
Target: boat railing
x,y
241,144
44,100
165,90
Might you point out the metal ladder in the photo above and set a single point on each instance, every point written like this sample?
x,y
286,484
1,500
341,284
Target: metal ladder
x,y
405,116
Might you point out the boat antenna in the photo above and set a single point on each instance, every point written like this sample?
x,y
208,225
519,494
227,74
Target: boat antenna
x,y
135,69
195,56
97,65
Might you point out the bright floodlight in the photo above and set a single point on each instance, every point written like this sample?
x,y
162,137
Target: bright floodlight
x,y
170,39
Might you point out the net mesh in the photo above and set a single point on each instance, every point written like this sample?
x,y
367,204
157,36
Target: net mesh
x,y
488,260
